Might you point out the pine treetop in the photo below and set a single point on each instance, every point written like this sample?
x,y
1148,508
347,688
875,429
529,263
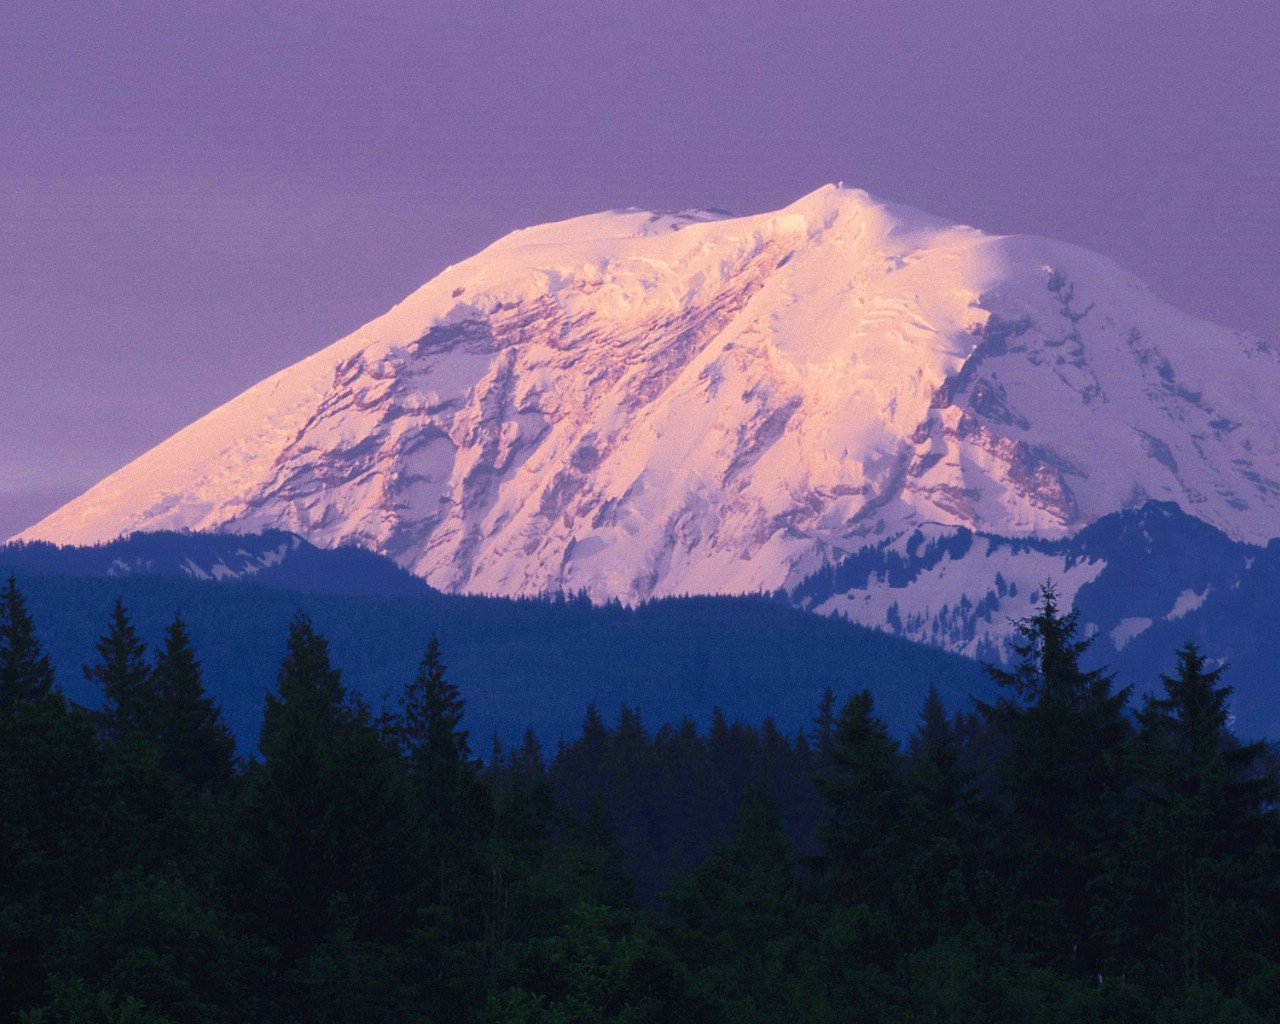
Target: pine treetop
x,y
26,674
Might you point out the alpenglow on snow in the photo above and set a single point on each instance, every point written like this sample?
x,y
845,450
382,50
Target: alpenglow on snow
x,y
638,404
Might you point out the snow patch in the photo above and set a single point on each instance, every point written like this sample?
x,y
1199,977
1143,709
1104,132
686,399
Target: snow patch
x,y
1188,601
970,604
192,569
1126,629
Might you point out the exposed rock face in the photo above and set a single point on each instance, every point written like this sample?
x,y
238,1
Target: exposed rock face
x,y
642,404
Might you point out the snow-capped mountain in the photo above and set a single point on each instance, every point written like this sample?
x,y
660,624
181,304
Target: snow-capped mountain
x,y
637,404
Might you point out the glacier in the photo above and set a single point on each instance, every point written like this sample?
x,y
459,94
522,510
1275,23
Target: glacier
x,y
636,404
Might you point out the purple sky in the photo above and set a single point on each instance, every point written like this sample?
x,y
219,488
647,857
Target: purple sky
x,y
195,194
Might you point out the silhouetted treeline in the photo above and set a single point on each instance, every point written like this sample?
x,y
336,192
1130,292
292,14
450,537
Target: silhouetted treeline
x,y
1054,855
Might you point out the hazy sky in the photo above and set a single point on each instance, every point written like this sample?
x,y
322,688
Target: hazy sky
x,y
195,193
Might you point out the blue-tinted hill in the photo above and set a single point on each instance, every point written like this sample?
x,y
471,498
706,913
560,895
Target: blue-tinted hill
x,y
518,663
274,557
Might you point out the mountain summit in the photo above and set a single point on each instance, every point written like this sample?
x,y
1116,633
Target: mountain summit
x,y
639,404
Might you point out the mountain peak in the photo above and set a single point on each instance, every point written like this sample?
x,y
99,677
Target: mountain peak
x,y
640,403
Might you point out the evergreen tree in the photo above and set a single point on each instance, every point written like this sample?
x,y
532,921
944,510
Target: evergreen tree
x,y
945,829
863,795
148,822
934,756
25,672
154,940
860,934
195,743
1205,835
309,689
528,763
324,810
509,876
631,781
1066,730
51,811
430,725
1189,726
598,862
579,766
450,803
824,724
736,917
125,679
52,815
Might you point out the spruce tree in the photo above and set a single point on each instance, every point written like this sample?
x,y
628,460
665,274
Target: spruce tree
x,y
579,766
467,879
1205,834
528,763
863,796
430,727
308,688
944,830
125,679
195,743
934,755
450,803
323,807
26,675
51,809
736,919
1065,777
149,824
824,726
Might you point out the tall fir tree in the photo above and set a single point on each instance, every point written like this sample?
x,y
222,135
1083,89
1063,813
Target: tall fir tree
x,y
195,743
1205,833
300,741
823,731
324,866
430,725
470,884
450,803
50,810
736,920
125,679
307,686
148,822
579,766
934,756
863,796
300,799
1065,776
26,675
944,829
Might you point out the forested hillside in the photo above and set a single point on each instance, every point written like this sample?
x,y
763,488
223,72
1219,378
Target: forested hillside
x,y
524,662
1058,853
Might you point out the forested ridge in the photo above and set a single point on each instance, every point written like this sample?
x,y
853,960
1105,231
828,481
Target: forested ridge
x,y
536,661
1060,853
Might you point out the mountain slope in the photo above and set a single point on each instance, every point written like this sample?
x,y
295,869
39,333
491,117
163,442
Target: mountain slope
x,y
518,662
961,590
273,558
638,404
1144,582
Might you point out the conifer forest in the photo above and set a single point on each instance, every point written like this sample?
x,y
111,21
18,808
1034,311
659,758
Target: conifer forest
x,y
1066,851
